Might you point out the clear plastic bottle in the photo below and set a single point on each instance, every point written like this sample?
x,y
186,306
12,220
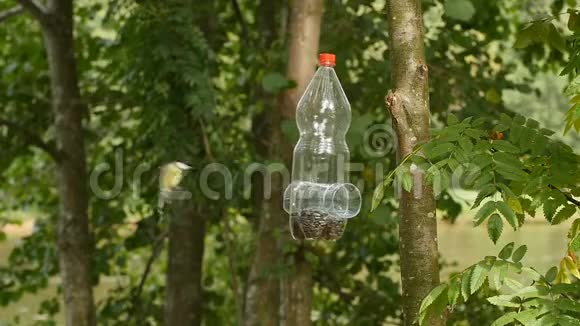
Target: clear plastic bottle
x,y
320,200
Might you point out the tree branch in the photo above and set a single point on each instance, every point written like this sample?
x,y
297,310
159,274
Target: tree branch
x,y
569,197
4,15
240,17
35,9
157,246
32,139
206,144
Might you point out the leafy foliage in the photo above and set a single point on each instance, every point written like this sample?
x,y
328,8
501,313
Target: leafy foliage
x,y
516,169
512,163
528,297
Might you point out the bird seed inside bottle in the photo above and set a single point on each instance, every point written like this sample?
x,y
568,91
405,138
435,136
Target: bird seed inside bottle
x,y
311,224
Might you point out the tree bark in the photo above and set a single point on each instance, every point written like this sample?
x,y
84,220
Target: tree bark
x,y
305,20
408,104
263,296
262,299
183,297
73,223
262,292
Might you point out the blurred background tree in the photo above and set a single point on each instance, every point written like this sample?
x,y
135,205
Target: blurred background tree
x,y
206,82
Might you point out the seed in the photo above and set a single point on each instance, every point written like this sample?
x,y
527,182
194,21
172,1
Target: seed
x,y
312,224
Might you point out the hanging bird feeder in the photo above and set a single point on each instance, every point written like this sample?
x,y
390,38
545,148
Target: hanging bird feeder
x,y
320,200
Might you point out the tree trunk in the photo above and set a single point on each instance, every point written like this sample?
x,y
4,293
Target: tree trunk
x,y
263,297
73,223
263,288
408,104
305,20
262,292
183,297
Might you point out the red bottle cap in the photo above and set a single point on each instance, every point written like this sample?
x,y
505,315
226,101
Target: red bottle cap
x,y
327,59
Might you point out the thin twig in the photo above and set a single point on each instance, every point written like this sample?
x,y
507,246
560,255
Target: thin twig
x,y
10,13
206,144
33,139
240,17
157,246
569,197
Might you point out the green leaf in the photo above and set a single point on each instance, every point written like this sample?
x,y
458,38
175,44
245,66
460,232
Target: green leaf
x,y
511,173
539,144
505,119
435,310
486,210
378,195
519,253
466,144
534,124
439,149
290,131
478,276
474,133
505,319
407,181
507,213
504,301
500,127
534,33
498,273
574,21
453,291
563,214
485,192
452,119
575,243
532,185
515,205
275,82
528,317
465,280
459,9
440,183
566,288
550,207
508,160
494,227
432,296
506,251
527,135
551,274
519,119
516,132
556,40
505,146
569,305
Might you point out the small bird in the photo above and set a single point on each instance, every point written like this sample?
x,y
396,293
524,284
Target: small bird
x,y
170,176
